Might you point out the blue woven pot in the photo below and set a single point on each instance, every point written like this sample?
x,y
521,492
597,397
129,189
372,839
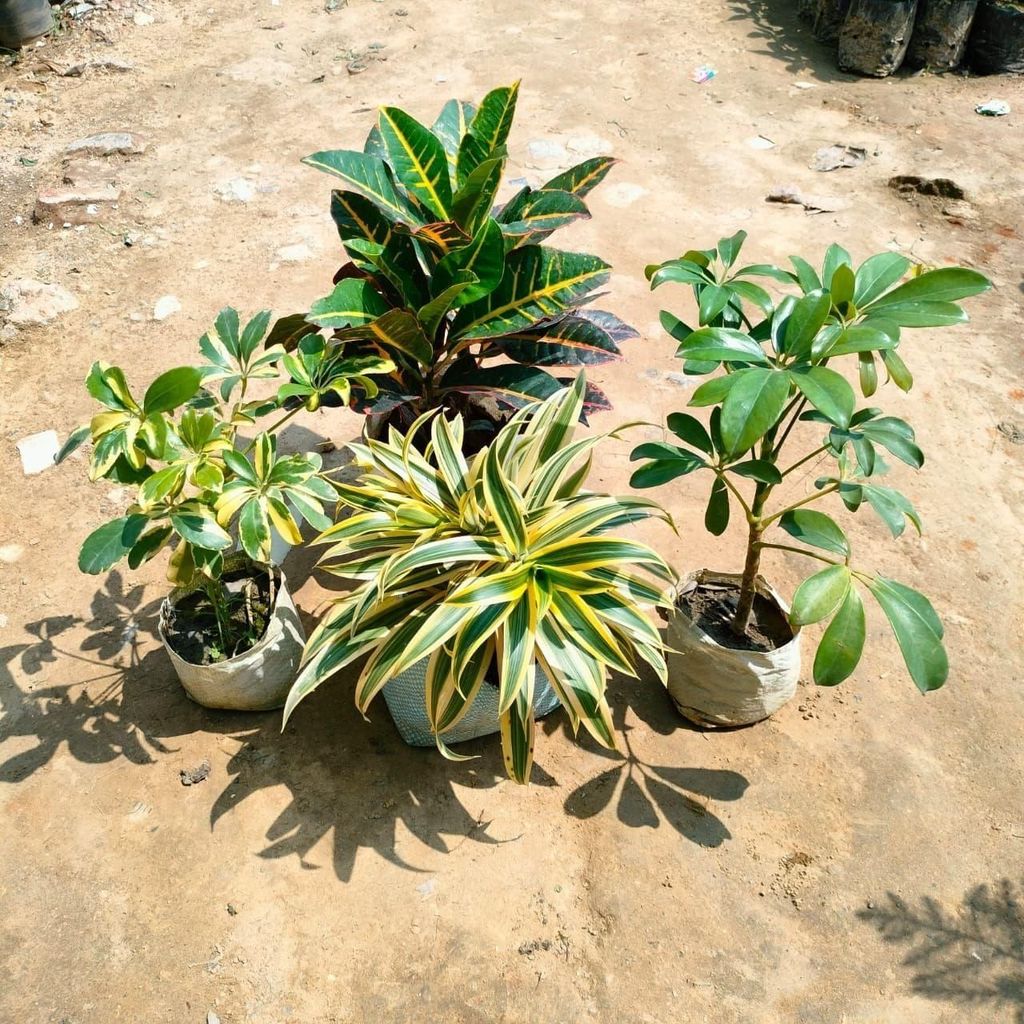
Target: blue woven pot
x,y
406,700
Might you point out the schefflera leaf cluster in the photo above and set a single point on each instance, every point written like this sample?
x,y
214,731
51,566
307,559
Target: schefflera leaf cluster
x,y
777,360
197,486
495,562
458,291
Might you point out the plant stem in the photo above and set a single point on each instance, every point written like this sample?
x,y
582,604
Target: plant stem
x,y
806,458
215,595
753,562
739,497
796,407
799,504
800,551
277,426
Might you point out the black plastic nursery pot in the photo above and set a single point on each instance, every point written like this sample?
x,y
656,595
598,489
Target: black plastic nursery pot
x,y
876,35
996,43
939,40
257,679
21,21
715,684
828,16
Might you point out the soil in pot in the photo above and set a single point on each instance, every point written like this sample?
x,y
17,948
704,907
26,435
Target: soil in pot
x,y
711,607
875,36
190,627
940,33
996,44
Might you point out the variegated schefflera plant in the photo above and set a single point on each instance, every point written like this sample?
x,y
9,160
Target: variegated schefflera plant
x,y
500,561
457,291
195,482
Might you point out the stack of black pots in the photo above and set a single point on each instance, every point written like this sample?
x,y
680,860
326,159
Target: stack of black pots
x,y
876,37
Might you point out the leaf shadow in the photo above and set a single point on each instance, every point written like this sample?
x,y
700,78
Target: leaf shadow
x,y
777,26
646,795
972,955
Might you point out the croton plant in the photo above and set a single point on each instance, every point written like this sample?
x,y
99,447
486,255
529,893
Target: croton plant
x,y
458,291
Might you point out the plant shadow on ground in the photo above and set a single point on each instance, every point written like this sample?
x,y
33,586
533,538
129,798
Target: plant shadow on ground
x,y
647,794
119,703
972,955
788,39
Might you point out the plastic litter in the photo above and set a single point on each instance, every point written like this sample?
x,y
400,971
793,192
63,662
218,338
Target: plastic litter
x,y
703,74
38,451
760,142
993,108
831,158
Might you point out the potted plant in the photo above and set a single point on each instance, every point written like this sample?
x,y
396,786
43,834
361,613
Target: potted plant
x,y
493,586
780,407
229,626
458,292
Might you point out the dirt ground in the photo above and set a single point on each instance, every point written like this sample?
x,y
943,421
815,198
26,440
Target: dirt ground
x,y
858,858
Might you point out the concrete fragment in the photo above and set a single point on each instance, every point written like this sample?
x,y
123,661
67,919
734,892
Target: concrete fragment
x,y
82,205
83,173
108,144
32,302
38,451
166,306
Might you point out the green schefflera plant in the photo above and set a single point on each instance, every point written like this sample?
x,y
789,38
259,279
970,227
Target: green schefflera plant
x,y
497,562
778,358
457,291
195,482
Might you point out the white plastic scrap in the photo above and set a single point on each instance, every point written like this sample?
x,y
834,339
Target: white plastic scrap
x,y
38,451
993,108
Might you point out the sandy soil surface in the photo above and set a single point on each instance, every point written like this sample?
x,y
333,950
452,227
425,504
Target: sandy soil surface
x,y
856,859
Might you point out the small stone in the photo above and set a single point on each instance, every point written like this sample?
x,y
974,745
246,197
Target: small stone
x,y
166,306
959,209
191,777
82,205
38,452
297,253
108,144
10,553
31,302
143,18
232,910
237,190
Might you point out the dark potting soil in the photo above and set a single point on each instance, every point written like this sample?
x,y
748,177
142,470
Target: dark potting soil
x,y
190,625
711,606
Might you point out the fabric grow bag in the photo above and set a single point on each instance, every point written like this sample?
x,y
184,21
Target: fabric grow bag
x,y
257,680
714,685
405,696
